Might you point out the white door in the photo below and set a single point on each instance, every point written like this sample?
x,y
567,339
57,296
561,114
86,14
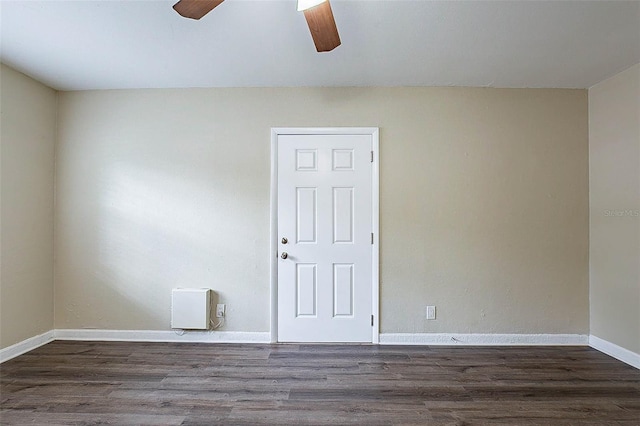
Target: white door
x,y
324,223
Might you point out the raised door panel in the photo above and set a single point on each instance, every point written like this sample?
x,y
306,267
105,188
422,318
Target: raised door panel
x,y
306,215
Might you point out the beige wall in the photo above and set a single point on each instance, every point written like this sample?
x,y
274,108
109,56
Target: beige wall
x,y
28,129
614,133
484,203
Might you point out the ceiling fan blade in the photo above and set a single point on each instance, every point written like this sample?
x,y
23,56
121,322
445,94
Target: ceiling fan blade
x,y
195,9
323,27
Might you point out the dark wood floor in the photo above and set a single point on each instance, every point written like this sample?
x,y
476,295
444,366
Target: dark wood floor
x,y
73,383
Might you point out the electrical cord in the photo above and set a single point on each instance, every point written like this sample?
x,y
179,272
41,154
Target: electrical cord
x,y
215,326
212,325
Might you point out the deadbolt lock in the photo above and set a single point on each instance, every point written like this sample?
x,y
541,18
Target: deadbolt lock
x,y
284,240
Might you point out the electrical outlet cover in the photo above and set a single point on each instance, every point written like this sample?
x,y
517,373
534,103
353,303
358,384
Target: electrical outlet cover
x,y
219,310
431,312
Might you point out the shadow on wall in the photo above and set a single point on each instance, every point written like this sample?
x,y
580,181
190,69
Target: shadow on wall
x,y
155,232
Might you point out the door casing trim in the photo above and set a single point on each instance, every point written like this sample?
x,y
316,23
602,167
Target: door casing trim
x,y
374,132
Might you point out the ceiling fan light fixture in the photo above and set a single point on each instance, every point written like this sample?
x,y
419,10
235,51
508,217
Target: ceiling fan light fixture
x,y
308,4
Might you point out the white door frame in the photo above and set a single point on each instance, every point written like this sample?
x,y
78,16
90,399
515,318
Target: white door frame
x,y
375,206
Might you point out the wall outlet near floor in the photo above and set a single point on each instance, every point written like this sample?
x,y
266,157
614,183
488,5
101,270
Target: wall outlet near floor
x,y
431,312
220,310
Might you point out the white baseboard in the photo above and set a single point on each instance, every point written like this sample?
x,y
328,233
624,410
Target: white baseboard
x,y
163,336
25,346
483,339
618,352
453,339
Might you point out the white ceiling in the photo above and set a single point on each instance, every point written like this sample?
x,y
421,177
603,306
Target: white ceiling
x,y
78,45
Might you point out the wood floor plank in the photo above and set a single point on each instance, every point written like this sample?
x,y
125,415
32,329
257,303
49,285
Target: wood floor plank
x,y
79,383
65,419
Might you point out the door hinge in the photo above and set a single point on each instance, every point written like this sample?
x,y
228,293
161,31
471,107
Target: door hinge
x,y
371,320
372,238
372,156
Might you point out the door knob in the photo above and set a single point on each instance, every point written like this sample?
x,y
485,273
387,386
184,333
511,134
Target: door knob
x,y
284,255
284,240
